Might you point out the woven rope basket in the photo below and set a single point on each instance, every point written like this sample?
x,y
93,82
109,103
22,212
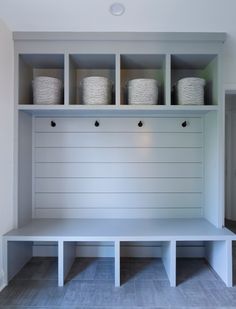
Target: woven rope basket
x,y
143,91
47,90
96,90
190,91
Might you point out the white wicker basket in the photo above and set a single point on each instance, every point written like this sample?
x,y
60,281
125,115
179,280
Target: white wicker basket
x,y
96,90
143,91
47,90
190,91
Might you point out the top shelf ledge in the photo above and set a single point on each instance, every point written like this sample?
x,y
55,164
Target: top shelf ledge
x,y
124,36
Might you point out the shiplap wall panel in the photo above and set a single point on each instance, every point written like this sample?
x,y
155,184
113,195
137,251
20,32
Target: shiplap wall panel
x,y
121,213
119,155
121,185
118,169
118,139
162,124
116,200
115,170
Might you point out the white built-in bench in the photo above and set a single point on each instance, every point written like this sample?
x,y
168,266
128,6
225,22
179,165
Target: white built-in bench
x,y
67,232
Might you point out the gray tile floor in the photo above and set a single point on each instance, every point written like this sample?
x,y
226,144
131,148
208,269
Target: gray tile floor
x,y
90,285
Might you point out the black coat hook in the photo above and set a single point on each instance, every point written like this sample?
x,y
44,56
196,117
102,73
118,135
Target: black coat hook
x,y
96,123
53,124
140,124
184,124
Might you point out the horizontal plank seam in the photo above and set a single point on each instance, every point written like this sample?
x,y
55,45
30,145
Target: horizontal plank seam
x,y
113,208
117,147
118,177
90,193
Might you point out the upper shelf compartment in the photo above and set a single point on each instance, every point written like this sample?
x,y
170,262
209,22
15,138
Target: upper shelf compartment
x,y
139,66
90,65
196,65
35,65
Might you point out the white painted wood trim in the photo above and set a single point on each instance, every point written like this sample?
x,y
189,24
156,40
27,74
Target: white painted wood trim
x,y
111,110
16,141
124,36
60,263
173,263
219,257
167,80
169,261
117,85
117,263
229,264
221,142
119,229
66,98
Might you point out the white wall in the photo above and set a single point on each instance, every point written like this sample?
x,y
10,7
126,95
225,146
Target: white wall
x,y
140,15
6,134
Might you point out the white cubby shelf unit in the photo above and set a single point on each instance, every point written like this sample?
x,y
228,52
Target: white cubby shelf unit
x,y
119,175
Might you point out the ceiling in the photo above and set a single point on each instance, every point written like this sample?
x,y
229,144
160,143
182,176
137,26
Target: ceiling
x,y
140,15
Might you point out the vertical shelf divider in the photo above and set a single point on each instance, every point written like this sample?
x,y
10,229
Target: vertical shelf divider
x,y
117,263
117,81
216,252
66,257
66,79
169,260
60,263
168,80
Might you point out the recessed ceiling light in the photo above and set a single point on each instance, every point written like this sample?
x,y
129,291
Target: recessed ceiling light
x,y
117,9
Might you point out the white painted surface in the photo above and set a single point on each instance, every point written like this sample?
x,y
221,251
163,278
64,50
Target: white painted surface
x,y
211,170
127,124
106,213
118,140
119,229
169,260
117,263
169,231
66,256
24,165
118,170
6,136
216,252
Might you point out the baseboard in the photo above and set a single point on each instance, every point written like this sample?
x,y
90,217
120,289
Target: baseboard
x,y
191,251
